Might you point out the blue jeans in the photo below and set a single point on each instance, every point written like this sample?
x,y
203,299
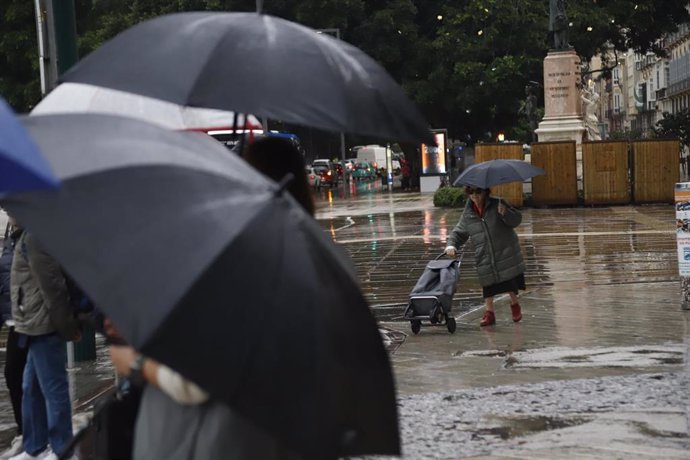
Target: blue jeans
x,y
46,405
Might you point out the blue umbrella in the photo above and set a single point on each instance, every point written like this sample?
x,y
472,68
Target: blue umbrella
x,y
497,172
21,165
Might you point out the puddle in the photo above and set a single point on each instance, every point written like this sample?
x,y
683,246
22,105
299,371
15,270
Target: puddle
x,y
601,357
513,427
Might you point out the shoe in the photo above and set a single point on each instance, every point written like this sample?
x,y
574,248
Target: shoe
x,y
488,319
15,448
54,456
25,456
517,312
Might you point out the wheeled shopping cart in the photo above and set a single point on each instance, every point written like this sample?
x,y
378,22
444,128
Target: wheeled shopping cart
x,y
432,297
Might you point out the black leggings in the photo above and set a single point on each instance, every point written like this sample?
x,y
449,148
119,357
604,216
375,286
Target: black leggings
x,y
15,360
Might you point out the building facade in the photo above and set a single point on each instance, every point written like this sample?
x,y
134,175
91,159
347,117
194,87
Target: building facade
x,y
642,87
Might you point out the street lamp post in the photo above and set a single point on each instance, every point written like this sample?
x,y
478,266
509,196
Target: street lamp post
x,y
336,33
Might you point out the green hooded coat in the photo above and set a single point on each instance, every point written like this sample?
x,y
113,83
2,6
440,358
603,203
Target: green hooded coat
x,y
496,245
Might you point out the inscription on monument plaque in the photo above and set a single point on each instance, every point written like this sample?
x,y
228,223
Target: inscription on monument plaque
x,y
561,77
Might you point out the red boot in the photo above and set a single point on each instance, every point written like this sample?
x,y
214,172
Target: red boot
x,y
517,312
489,319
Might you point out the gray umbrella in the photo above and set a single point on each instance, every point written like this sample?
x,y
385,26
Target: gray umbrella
x,y
254,63
497,172
208,267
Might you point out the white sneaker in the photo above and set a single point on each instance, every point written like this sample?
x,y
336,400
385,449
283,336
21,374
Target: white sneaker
x,y
16,447
25,456
53,456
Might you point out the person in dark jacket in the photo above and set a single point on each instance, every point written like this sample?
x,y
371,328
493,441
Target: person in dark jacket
x,y
44,319
490,223
15,356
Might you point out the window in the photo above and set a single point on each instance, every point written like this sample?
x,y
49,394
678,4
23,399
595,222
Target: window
x,y
616,76
616,103
657,79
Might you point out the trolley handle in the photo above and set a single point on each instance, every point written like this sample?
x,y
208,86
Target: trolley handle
x,y
458,254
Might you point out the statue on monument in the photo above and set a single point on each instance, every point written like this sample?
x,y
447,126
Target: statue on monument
x,y
558,24
590,100
530,108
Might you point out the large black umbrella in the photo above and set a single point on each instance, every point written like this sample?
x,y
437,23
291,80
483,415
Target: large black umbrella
x,y
211,269
496,172
254,63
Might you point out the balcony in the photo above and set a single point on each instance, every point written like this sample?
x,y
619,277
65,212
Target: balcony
x,y
615,114
678,87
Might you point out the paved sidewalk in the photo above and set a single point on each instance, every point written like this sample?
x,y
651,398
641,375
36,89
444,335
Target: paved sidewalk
x,y
598,367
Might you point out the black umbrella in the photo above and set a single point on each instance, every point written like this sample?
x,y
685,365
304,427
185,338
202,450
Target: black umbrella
x,y
254,63
210,268
497,172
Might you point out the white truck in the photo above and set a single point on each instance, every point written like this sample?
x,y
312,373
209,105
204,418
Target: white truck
x,y
375,155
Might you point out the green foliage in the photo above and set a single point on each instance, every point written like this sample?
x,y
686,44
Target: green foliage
x,y
627,135
19,73
675,125
449,197
465,64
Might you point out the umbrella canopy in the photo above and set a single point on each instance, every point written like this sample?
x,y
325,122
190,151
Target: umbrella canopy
x,y
77,97
208,267
497,172
21,165
254,63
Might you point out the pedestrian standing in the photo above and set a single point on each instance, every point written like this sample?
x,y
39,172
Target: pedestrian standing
x,y
490,223
44,320
682,163
405,171
15,357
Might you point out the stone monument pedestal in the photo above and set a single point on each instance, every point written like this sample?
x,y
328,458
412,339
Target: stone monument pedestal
x,y
562,104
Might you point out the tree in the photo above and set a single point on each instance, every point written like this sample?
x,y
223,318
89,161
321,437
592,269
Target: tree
x,y
465,64
676,126
19,72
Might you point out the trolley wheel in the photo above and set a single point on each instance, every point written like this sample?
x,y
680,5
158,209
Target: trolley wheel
x,y
416,326
450,323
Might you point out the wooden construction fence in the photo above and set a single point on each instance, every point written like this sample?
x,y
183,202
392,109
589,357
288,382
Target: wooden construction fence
x,y
484,152
605,172
655,170
559,185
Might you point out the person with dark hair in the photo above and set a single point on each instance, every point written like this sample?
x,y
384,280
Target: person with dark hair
x,y
490,223
275,157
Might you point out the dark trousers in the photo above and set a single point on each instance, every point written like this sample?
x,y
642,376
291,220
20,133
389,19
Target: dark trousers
x,y
15,360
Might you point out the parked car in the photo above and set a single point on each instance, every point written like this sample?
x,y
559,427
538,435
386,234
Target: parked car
x,y
313,177
363,171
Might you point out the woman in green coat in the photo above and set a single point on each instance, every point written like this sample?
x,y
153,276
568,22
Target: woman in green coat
x,y
490,223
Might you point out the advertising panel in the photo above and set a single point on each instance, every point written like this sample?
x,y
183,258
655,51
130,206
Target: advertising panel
x,y
434,157
682,199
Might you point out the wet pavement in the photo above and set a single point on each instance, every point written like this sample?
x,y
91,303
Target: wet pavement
x,y
597,368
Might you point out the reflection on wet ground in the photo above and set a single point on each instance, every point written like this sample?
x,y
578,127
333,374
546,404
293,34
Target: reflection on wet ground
x,y
602,300
574,248
603,280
